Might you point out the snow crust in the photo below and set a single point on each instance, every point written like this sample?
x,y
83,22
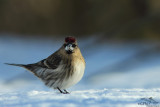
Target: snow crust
x,y
91,98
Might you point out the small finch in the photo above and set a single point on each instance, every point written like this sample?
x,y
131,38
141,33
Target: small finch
x,y
62,69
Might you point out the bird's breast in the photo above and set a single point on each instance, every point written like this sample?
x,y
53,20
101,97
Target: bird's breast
x,y
78,71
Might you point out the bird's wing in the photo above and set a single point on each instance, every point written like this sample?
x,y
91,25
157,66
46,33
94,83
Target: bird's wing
x,y
52,62
47,65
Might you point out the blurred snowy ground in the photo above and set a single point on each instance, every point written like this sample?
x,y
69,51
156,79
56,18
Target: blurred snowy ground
x,y
109,65
82,98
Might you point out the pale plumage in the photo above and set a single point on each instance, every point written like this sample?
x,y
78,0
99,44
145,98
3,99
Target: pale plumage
x,y
62,69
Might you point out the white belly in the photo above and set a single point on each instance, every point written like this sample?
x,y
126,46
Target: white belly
x,y
76,77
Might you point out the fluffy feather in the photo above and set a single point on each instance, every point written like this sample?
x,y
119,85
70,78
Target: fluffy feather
x,y
60,70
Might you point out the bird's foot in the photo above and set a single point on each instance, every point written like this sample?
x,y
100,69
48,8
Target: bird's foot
x,y
63,92
66,92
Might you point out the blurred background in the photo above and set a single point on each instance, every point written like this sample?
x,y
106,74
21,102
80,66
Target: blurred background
x,y
119,40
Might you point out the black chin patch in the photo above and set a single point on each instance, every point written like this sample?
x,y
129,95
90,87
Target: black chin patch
x,y
69,52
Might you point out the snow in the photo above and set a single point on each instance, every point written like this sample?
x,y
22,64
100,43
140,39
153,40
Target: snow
x,y
116,75
82,98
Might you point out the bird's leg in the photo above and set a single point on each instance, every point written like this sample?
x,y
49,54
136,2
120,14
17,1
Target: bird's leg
x,y
66,91
63,92
60,90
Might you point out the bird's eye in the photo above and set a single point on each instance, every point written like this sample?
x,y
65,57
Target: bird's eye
x,y
74,45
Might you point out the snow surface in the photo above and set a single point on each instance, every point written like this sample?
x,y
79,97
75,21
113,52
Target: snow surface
x,y
82,98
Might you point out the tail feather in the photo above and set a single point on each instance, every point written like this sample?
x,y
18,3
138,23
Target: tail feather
x,y
20,65
29,67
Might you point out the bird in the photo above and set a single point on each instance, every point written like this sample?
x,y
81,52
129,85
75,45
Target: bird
x,y
62,69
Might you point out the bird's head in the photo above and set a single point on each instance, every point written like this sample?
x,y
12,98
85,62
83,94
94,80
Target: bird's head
x,y
70,45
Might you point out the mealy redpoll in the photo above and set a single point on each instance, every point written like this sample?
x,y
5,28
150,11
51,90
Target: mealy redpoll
x,y
62,69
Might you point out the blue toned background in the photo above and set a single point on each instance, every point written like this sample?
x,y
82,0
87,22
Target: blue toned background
x,y
120,41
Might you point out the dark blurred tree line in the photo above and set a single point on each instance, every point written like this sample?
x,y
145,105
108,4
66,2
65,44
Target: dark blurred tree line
x,y
128,19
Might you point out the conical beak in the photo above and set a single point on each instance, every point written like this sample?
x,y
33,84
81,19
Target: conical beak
x,y
69,48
